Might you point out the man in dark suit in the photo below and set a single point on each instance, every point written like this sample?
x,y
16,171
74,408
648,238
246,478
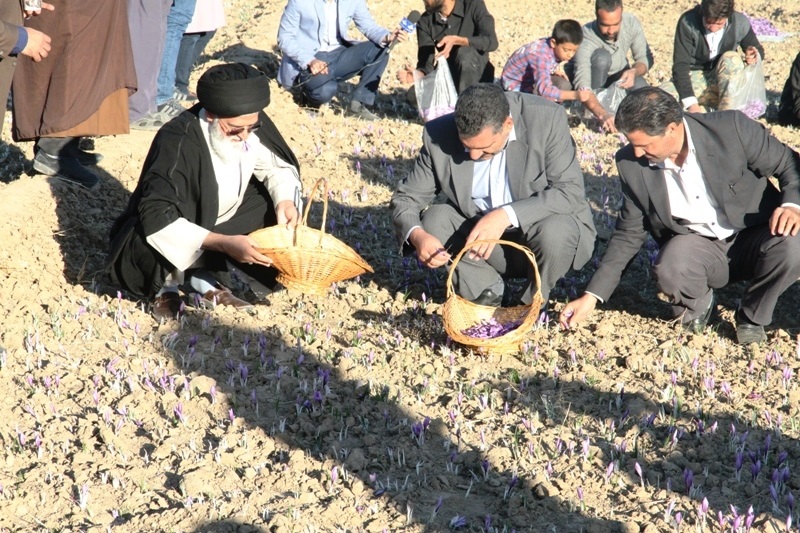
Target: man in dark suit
x,y
506,165
699,184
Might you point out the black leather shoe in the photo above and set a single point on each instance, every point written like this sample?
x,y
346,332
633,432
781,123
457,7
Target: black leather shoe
x,y
489,298
168,306
698,324
748,332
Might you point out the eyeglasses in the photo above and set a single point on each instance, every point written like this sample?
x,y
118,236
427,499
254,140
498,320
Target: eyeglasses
x,y
238,130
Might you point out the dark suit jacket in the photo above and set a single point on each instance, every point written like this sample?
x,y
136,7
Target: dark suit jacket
x,y
544,175
737,156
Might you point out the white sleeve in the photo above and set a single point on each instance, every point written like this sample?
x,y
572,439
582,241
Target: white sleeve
x,y
281,178
180,242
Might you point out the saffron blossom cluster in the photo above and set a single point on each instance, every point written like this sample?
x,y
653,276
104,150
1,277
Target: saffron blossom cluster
x,y
754,108
491,329
763,27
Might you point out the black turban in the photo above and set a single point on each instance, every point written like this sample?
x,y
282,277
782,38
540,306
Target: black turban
x,y
233,90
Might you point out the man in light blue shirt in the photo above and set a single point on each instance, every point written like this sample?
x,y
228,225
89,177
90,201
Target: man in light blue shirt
x,y
506,164
317,54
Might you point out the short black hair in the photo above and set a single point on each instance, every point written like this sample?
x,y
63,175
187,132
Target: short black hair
x,y
479,106
607,5
716,9
567,31
649,110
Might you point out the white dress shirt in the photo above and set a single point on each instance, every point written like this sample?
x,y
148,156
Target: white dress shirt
x,y
690,200
490,186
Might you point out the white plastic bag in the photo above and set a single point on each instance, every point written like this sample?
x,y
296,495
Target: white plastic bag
x,y
747,92
611,97
436,92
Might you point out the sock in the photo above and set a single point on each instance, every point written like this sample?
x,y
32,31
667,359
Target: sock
x,y
201,281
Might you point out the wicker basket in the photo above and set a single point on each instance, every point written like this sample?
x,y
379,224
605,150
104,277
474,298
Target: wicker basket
x,y
460,314
309,260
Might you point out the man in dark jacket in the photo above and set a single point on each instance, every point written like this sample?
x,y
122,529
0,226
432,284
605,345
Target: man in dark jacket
x,y
209,180
700,186
789,110
705,60
460,31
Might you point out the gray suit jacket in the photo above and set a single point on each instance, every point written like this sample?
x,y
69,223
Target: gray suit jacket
x,y
737,156
544,175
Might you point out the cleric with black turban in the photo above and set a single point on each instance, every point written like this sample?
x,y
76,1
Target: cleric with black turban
x,y
214,174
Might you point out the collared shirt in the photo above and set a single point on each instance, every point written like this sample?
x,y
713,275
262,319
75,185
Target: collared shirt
x,y
530,68
490,186
713,39
469,19
181,241
690,200
330,37
630,38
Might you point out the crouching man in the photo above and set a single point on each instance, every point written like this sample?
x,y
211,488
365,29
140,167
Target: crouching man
x,y
215,173
506,164
699,184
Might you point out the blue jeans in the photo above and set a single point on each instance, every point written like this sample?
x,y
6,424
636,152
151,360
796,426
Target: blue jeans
x,y
366,58
180,15
192,45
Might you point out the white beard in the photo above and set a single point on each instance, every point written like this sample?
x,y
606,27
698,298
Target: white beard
x,y
227,150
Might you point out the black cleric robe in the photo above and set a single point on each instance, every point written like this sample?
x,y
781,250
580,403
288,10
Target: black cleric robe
x,y
177,181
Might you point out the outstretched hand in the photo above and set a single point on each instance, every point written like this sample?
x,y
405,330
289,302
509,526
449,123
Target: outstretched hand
x,y
429,249
577,311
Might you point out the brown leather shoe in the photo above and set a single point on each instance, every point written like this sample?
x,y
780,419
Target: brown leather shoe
x,y
168,306
226,297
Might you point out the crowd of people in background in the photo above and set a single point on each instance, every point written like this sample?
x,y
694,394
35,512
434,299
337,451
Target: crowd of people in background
x,y
221,169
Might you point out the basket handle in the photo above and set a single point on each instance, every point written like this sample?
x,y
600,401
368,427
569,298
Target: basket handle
x,y
523,249
304,221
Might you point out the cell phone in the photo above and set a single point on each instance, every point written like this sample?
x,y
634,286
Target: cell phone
x,y
33,5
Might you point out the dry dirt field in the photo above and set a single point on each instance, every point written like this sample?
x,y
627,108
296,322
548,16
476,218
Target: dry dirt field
x,y
351,411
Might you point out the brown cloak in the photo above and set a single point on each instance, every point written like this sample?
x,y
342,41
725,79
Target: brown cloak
x,y
82,86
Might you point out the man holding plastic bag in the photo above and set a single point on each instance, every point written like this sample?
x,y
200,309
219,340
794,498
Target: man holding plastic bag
x,y
708,71
460,32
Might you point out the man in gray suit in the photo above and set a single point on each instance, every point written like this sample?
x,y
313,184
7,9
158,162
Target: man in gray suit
x,y
506,164
699,184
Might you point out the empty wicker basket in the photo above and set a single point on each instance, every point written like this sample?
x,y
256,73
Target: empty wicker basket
x,y
460,314
309,260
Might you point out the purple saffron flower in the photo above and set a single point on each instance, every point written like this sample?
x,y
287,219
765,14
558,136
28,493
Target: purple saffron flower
x,y
749,519
688,479
457,522
755,469
609,470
